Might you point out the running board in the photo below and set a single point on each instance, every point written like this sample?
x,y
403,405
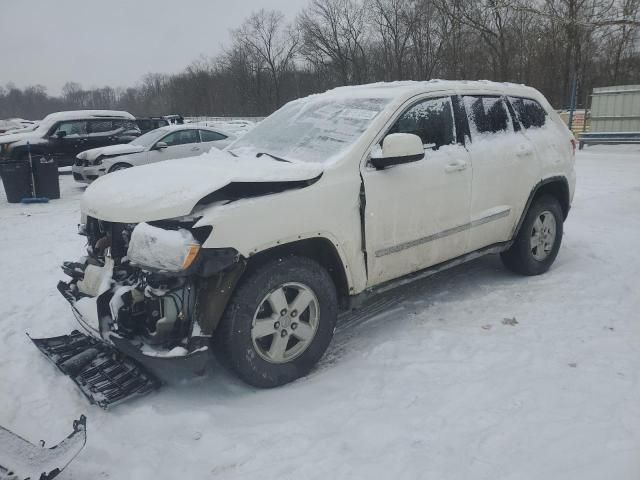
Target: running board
x,y
104,375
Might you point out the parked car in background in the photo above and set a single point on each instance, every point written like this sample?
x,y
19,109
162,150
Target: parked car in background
x,y
63,135
252,252
146,124
165,143
237,127
174,119
9,124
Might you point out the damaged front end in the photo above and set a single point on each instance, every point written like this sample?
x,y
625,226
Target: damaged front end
x,y
150,292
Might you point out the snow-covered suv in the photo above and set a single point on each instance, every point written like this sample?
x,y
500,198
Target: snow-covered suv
x,y
252,252
62,135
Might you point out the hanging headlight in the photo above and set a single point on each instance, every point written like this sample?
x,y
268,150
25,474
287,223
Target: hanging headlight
x,y
162,250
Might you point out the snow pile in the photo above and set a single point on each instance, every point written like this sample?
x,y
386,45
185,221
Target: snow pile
x,y
428,382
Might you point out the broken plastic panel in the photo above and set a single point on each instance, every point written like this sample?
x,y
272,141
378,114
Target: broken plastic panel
x,y
105,376
22,460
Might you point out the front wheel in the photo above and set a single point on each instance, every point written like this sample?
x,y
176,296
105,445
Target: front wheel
x,y
119,166
538,241
279,322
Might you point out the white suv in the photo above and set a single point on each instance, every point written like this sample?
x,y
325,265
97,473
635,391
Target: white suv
x,y
253,251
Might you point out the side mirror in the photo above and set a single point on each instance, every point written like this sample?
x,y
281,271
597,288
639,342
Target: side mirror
x,y
399,148
61,134
160,146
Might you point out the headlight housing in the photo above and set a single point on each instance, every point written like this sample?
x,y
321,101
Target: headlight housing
x,y
172,251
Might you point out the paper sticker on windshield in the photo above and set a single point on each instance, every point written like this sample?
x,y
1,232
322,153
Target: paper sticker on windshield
x,y
358,113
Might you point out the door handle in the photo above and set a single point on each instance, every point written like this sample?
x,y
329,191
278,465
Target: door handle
x,y
455,166
195,149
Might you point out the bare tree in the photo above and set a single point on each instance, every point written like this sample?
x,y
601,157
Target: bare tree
x,y
265,35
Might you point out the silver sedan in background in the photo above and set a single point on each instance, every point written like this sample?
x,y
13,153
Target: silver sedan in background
x,y
166,143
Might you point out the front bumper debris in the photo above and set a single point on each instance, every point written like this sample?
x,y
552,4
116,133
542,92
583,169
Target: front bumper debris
x,y
104,375
21,460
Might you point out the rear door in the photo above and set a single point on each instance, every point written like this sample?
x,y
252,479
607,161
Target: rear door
x,y
416,214
103,132
180,144
504,164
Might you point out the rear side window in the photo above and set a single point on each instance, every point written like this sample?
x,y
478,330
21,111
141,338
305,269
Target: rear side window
x,y
126,125
101,126
209,136
529,112
181,137
431,120
487,114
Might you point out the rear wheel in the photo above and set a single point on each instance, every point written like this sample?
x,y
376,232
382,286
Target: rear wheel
x,y
279,322
538,242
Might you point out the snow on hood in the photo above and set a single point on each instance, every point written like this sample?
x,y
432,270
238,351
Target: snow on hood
x,y
21,136
172,188
111,150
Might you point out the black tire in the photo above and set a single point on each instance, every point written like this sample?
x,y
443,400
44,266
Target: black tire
x,y
119,166
519,257
233,343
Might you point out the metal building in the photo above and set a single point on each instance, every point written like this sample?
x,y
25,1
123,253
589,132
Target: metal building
x,y
615,109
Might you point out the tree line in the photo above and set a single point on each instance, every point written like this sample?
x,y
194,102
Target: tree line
x,y
543,43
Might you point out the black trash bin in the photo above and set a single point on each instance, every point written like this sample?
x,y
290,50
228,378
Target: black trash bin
x,y
45,177
16,178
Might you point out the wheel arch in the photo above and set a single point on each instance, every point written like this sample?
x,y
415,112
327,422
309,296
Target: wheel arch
x,y
320,249
558,187
113,168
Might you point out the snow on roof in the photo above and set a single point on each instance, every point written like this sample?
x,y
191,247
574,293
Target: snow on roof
x,y
194,126
410,87
80,114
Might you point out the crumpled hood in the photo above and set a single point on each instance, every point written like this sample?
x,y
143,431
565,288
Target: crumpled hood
x,y
111,150
172,188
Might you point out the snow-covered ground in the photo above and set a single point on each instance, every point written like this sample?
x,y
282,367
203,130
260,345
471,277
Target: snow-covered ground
x,y
474,373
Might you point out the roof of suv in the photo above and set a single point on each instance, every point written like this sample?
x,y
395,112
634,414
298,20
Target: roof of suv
x,y
409,88
82,114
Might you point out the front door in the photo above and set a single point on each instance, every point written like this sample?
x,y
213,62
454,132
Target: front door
x,y
417,214
65,146
180,144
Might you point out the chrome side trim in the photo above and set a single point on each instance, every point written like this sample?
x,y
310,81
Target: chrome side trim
x,y
442,234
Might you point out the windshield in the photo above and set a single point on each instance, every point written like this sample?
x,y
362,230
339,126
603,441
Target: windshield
x,y
313,129
149,138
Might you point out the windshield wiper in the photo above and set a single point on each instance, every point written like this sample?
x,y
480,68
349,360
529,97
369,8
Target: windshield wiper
x,y
232,153
259,154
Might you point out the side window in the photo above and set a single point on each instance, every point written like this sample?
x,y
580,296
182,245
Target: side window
x,y
181,137
74,128
487,114
126,125
530,113
209,136
431,120
101,126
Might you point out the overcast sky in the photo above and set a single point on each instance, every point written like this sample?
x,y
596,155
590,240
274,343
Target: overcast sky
x,y
114,42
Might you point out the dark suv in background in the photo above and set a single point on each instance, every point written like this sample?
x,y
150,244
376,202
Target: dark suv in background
x,y
64,135
146,124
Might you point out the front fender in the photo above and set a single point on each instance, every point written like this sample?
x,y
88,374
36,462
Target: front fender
x,y
327,209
